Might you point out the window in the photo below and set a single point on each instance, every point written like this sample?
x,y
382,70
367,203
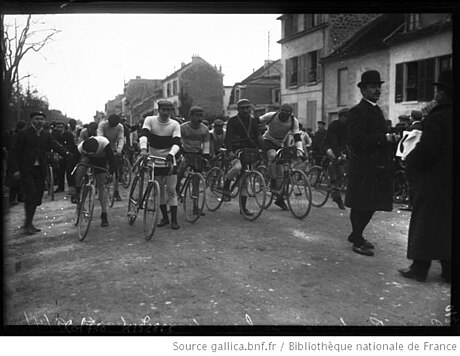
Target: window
x,y
175,87
237,95
414,80
342,87
412,22
312,20
303,69
276,96
290,25
168,90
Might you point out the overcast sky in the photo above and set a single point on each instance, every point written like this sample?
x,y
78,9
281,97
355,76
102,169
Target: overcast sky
x,y
89,60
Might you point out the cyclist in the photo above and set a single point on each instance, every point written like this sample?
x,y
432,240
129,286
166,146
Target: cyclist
x,y
98,152
217,137
87,132
113,130
334,144
280,123
242,132
194,139
162,134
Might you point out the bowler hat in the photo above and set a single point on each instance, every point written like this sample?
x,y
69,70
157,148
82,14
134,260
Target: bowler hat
x,y
444,79
370,77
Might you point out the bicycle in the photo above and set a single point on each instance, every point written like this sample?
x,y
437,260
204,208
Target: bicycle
x,y
295,186
124,171
50,173
148,199
320,180
248,182
85,206
193,191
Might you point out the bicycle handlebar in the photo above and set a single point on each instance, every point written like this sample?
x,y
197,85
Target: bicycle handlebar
x,y
282,149
91,166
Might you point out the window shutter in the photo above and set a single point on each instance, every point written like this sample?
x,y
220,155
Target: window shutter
x,y
303,69
319,70
430,78
288,73
399,83
421,89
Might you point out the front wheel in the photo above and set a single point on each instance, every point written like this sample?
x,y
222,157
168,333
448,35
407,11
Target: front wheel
x,y
320,186
299,194
85,211
194,197
269,196
252,195
151,208
214,189
126,171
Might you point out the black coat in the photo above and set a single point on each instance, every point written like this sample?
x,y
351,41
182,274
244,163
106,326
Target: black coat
x,y
370,171
29,146
430,163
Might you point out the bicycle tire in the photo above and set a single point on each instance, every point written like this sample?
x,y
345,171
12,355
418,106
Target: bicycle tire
x,y
214,186
253,187
135,198
126,173
269,197
194,199
320,186
299,194
111,193
151,208
303,166
85,211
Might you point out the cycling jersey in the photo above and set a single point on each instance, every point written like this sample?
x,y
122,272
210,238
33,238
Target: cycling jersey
x,y
194,140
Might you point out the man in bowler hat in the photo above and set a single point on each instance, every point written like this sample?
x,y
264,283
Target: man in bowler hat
x,y
369,187
430,227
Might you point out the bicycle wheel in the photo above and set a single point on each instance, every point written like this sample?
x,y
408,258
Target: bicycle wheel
x,y
85,211
50,182
111,193
320,186
194,197
214,185
298,194
126,172
151,208
269,196
253,188
135,197
303,166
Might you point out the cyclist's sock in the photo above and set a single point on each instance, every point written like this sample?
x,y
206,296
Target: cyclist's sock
x,y
173,214
164,211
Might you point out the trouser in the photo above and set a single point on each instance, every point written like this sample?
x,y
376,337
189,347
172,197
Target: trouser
x,y
336,173
167,189
359,220
65,171
33,187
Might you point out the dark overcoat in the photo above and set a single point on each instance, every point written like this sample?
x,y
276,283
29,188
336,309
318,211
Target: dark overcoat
x,y
430,163
370,174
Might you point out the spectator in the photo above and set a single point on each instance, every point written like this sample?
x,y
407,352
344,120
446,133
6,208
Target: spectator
x,y
15,194
87,132
65,165
430,227
318,142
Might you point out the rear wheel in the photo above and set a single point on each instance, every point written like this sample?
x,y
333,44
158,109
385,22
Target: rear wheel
x,y
254,190
151,208
85,211
299,194
320,186
214,186
134,199
194,197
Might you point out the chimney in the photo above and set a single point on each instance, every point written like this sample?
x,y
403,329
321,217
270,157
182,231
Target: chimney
x,y
182,64
220,68
138,77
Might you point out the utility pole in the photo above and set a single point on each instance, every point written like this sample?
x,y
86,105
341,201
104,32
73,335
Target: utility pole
x,y
268,57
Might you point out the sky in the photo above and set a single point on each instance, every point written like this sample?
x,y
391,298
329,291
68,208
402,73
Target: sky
x,y
92,56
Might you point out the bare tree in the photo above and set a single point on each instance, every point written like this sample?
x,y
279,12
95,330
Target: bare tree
x,y
16,42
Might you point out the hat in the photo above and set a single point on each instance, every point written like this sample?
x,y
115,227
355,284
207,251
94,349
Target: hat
x,y
416,114
195,109
218,122
165,103
286,107
343,111
321,122
444,79
37,113
243,103
369,77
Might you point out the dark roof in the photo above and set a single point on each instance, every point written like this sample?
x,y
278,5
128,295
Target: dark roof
x,y
273,66
369,38
188,65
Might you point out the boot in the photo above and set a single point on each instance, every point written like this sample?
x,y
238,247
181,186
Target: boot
x,y
117,196
104,220
165,220
243,207
174,224
29,228
280,202
446,273
418,270
226,191
337,198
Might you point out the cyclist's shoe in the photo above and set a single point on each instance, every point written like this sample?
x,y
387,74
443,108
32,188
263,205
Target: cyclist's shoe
x,y
338,200
117,196
246,212
226,194
30,230
163,222
174,225
104,221
75,199
280,202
